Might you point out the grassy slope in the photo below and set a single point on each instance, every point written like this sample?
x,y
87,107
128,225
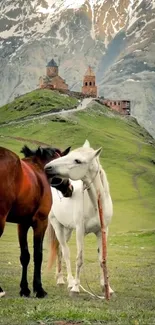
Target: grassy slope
x,y
35,102
126,157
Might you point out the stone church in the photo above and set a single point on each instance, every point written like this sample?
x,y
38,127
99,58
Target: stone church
x,y
89,83
52,80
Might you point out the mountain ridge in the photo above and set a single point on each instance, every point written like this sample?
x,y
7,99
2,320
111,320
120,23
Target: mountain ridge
x,y
115,37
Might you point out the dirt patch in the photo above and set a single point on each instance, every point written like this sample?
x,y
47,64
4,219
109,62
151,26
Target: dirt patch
x,y
62,322
26,140
66,323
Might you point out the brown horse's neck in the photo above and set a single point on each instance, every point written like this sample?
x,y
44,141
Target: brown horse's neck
x,y
35,161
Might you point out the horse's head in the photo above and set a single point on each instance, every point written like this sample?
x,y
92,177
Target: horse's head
x,y
62,185
76,165
44,154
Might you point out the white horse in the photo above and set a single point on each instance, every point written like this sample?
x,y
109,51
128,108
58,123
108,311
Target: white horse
x,y
79,212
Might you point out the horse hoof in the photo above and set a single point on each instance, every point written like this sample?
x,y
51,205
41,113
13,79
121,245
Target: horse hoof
x,y
71,285
2,294
41,293
110,290
69,288
61,284
74,294
25,293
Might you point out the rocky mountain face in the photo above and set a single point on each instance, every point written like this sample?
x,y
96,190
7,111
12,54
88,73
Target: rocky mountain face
x,y
116,37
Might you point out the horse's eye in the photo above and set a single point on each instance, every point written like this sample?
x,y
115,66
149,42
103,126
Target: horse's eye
x,y
77,161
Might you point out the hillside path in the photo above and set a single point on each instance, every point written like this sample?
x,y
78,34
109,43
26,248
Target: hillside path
x,y
83,105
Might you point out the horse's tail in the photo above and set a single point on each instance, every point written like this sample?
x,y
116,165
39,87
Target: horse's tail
x,y
53,245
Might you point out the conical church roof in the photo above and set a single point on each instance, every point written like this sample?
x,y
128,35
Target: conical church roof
x,y
89,72
52,63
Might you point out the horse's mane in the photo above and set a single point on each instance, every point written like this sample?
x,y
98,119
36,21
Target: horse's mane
x,y
103,177
41,152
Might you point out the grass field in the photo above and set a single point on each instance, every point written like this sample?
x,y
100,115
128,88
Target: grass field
x,y
127,157
132,276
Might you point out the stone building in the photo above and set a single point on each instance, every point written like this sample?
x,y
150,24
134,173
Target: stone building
x,y
52,80
121,106
89,83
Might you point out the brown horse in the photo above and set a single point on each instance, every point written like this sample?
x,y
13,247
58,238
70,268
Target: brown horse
x,y
25,199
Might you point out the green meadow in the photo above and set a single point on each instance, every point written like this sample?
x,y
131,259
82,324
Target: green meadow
x,y
128,157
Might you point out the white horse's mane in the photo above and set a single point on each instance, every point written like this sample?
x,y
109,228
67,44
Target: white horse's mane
x,y
103,177
102,173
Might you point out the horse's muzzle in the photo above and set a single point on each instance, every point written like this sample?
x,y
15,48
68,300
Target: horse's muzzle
x,y
50,171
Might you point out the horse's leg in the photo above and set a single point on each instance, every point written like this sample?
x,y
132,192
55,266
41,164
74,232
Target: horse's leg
x,y
59,275
2,225
39,228
60,233
99,239
70,278
79,259
24,258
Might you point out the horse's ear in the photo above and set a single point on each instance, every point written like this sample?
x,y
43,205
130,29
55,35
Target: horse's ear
x,y
98,151
26,151
65,152
86,144
39,151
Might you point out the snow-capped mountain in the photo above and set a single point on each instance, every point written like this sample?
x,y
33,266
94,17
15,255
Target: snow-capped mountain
x,y
115,36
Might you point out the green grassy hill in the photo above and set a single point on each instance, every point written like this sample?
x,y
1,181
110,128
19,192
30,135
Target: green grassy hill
x,y
128,158
36,102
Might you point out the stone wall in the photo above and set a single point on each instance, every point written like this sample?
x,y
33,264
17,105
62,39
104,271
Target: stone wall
x,y
53,83
75,94
59,83
90,91
52,71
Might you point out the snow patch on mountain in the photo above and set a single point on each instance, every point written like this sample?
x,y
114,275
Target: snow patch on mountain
x,y
115,36
60,6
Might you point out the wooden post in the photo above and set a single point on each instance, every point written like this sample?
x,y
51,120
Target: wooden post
x,y
104,249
